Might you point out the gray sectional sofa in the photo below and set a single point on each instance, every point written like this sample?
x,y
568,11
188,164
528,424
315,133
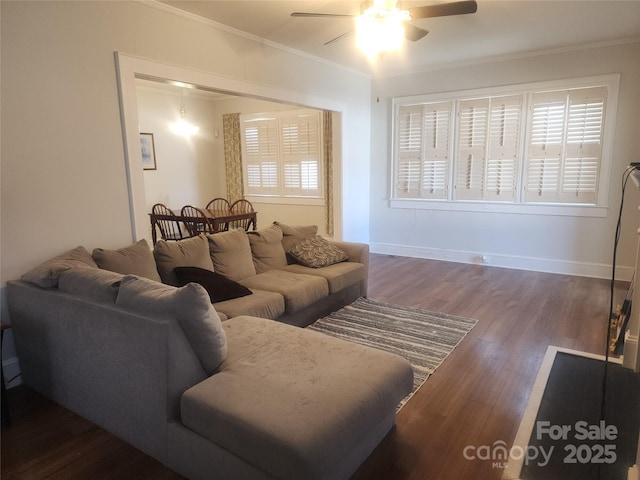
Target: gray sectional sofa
x,y
209,394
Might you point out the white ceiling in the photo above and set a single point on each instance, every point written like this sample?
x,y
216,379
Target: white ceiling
x,y
499,28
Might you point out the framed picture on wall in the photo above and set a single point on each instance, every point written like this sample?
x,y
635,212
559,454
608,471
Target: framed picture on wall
x,y
148,151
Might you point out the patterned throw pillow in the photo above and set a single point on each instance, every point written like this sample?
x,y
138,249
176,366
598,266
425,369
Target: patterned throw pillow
x,y
317,252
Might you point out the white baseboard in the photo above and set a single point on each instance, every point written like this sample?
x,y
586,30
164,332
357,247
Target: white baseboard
x,y
11,370
582,269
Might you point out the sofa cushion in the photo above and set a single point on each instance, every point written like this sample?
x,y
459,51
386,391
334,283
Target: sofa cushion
x,y
267,249
93,283
339,276
46,274
317,252
291,401
191,252
298,290
218,287
260,304
231,254
190,305
292,235
135,259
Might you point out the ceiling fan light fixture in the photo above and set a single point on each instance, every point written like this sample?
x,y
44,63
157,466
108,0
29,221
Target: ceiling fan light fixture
x,y
380,30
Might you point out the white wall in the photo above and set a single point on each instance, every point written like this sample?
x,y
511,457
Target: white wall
x,y
190,170
577,245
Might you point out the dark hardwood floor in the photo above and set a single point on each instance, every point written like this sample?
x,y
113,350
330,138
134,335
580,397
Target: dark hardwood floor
x,y
476,397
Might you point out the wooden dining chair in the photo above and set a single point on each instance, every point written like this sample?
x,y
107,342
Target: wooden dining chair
x,y
196,221
167,222
219,206
241,206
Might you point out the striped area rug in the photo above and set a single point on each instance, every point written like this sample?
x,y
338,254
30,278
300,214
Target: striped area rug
x,y
423,338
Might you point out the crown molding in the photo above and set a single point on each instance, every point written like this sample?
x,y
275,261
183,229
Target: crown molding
x,y
248,36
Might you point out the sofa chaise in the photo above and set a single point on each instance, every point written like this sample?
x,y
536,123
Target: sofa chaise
x,y
208,395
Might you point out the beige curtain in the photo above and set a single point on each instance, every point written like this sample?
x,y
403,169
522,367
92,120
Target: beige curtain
x,y
327,138
232,156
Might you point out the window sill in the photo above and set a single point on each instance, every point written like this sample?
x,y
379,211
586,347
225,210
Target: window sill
x,y
285,200
495,207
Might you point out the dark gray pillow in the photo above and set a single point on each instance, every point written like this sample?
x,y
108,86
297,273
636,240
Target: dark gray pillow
x,y
218,287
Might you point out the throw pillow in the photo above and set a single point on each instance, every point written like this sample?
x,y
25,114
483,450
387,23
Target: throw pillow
x,y
267,249
46,274
231,254
135,259
189,305
192,252
93,283
218,287
317,252
292,235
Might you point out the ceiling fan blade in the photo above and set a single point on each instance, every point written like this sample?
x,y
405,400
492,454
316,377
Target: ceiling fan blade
x,y
444,9
338,37
413,33
321,15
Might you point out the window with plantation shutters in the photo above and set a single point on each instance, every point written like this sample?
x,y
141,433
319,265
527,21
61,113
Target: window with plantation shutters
x,y
423,151
520,147
300,150
565,146
282,153
260,156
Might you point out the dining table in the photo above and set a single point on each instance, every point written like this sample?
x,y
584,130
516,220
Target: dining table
x,y
218,219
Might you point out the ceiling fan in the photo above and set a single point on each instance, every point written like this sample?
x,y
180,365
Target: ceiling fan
x,y
387,11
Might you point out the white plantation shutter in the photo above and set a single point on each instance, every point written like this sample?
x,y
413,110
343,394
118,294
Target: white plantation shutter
x,y
488,148
503,148
435,163
409,152
423,150
583,148
282,153
546,139
473,122
300,151
565,146
260,156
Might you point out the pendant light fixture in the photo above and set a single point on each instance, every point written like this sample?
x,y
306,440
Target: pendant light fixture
x,y
182,127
